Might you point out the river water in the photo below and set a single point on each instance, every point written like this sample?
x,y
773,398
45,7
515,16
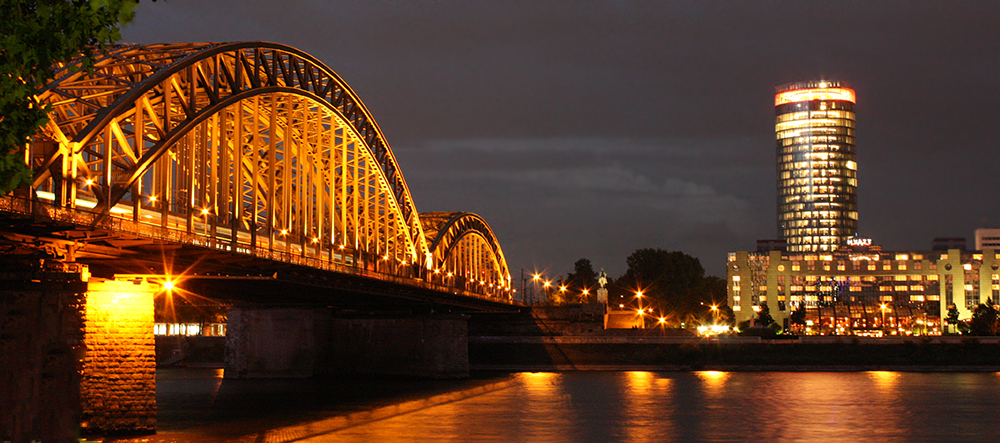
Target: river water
x,y
197,405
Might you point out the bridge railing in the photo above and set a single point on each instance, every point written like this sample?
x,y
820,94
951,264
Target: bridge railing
x,y
43,212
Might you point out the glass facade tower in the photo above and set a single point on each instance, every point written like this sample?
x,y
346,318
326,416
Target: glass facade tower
x,y
817,165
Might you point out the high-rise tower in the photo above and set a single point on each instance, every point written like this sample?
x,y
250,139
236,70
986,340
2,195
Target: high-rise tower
x,y
817,165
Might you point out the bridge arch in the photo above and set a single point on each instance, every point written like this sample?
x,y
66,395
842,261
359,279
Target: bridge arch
x,y
463,244
252,147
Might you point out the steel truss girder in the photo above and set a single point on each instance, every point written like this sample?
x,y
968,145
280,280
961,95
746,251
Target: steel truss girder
x,y
185,82
262,138
467,243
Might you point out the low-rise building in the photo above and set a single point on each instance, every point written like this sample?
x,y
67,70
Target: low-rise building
x,y
863,292
987,239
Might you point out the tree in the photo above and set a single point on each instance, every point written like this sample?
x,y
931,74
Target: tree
x,y
582,278
34,36
798,316
985,319
952,317
764,316
726,316
672,280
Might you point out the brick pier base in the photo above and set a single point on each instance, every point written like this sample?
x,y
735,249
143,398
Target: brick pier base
x,y
118,387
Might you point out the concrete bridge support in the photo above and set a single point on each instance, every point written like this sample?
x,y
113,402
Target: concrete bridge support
x,y
306,342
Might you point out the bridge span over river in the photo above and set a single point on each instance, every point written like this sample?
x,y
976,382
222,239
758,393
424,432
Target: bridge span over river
x,y
249,171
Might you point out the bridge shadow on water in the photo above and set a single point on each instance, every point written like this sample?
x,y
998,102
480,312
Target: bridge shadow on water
x,y
198,405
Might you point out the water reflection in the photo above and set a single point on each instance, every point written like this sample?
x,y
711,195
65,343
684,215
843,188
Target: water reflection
x,y
642,407
644,398
713,380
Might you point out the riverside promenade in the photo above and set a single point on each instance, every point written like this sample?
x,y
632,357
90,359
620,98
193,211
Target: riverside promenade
x,y
673,353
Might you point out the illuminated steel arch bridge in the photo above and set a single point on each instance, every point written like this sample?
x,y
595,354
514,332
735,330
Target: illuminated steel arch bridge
x,y
246,148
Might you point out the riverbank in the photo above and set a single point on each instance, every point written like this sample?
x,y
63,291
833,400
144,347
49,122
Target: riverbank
x,y
821,354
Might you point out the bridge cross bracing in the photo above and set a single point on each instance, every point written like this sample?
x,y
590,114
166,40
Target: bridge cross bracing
x,y
251,148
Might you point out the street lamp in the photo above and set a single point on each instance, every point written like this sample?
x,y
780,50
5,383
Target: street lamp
x,y
642,319
882,308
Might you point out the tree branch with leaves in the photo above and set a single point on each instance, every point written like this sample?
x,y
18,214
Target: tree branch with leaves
x,y
34,37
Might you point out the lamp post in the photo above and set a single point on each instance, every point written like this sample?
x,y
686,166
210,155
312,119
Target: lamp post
x,y
642,318
882,308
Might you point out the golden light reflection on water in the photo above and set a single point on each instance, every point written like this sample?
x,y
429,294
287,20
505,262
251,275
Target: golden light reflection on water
x,y
884,380
714,381
688,406
645,419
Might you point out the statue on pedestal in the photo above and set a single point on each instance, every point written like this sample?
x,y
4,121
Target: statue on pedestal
x,y
602,294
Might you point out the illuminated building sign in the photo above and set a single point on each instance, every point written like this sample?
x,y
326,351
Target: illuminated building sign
x,y
859,241
804,95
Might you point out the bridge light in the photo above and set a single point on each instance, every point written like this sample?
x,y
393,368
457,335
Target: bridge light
x,y
403,263
284,232
152,199
586,291
315,239
204,211
641,311
536,277
547,284
450,274
437,271
385,257
89,181
562,289
663,320
168,285
341,246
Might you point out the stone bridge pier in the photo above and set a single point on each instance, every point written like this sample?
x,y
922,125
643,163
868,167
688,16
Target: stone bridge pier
x,y
274,342
75,353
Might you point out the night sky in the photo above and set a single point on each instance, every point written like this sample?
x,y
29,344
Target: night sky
x,y
591,129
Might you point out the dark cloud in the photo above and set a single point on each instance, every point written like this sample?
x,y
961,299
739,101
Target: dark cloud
x,y
590,129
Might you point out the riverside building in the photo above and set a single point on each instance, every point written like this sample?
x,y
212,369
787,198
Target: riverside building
x,y
844,283
863,292
816,165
